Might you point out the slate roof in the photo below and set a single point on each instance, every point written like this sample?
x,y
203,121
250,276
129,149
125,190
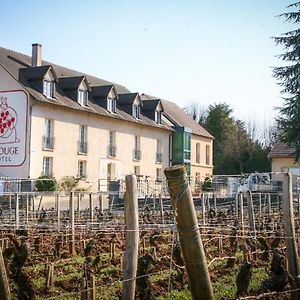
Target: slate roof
x,y
13,61
282,150
179,117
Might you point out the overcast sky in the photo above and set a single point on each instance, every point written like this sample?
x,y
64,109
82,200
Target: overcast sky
x,y
184,51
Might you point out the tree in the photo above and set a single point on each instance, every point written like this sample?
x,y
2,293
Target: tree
x,y
289,78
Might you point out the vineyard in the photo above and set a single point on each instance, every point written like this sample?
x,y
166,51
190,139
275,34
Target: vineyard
x,y
75,248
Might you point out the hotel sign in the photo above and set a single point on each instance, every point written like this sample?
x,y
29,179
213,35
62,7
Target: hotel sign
x,y
13,128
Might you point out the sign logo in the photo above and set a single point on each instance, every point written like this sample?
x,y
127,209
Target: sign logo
x,y
13,128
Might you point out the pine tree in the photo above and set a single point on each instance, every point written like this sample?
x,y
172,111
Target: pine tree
x,y
289,78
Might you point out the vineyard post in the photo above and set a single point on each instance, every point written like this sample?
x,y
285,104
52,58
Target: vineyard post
x,y
101,203
161,207
4,285
259,203
27,208
10,210
189,235
57,201
91,207
251,214
237,205
289,226
215,202
298,206
203,207
78,205
71,220
242,210
269,203
131,239
17,211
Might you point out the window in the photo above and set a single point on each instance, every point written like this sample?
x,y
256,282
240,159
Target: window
x,y
198,153
158,151
111,105
82,144
136,111
137,148
112,149
187,145
158,117
158,175
48,141
47,165
81,169
207,152
82,97
48,88
137,170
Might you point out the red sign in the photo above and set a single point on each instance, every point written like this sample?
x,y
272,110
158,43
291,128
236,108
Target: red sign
x,y
13,128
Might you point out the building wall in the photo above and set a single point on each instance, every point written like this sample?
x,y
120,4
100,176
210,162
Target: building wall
x,y
279,164
202,167
8,83
66,134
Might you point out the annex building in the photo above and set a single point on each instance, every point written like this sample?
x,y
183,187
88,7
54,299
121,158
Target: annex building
x,y
60,122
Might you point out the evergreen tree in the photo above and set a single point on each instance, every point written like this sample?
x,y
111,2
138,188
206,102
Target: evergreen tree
x,y
289,78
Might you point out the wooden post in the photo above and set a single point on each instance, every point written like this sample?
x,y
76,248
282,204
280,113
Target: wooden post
x,y
17,217
289,226
78,205
215,202
57,205
10,210
269,204
154,206
101,203
189,235
251,214
91,207
242,211
4,284
72,225
259,203
203,208
237,205
93,292
298,198
27,208
161,207
131,239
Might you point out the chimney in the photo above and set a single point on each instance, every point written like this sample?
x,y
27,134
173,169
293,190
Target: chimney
x,y
36,59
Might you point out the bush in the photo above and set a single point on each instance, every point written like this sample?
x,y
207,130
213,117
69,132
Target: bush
x,y
68,184
46,183
207,184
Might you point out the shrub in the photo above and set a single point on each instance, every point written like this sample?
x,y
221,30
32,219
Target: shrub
x,y
46,183
68,184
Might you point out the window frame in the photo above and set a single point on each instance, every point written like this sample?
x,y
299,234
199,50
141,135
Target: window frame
x,y
207,154
198,153
83,97
157,116
111,105
48,88
136,111
47,166
82,169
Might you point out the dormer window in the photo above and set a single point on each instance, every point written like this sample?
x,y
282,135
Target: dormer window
x,y
48,88
83,97
158,117
111,105
136,111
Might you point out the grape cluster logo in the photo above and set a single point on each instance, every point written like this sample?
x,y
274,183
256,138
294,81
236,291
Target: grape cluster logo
x,y
8,122
13,128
